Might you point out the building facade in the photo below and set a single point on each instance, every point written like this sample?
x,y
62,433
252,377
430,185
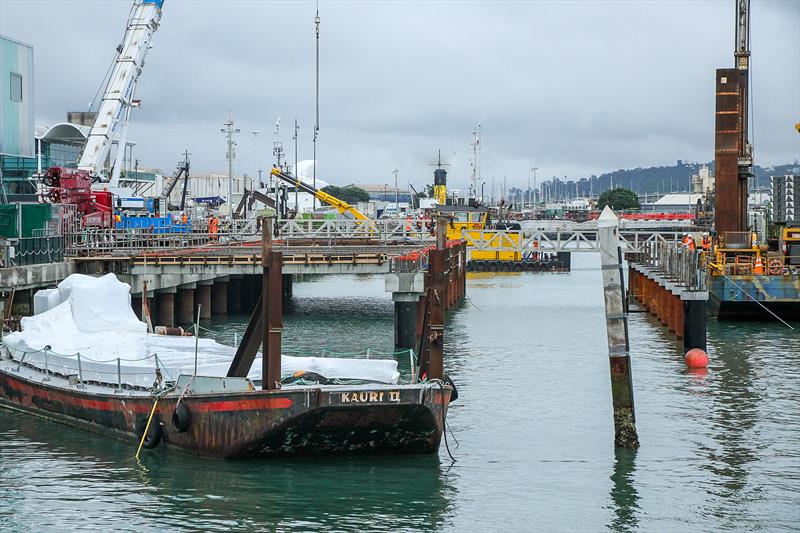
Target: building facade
x,y
17,145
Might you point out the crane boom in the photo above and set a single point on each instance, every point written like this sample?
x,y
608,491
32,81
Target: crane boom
x,y
142,23
340,205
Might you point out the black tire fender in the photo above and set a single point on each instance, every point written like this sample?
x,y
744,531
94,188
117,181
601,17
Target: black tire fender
x,y
181,418
453,395
153,437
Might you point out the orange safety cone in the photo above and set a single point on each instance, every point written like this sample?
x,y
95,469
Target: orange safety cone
x,y
758,269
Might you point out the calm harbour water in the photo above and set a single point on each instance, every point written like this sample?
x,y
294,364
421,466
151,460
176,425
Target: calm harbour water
x,y
533,422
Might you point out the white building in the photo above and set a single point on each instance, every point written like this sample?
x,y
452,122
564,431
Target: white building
x,y
676,203
703,182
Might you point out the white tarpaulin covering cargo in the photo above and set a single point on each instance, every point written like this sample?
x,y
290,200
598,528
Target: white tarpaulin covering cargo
x,y
93,317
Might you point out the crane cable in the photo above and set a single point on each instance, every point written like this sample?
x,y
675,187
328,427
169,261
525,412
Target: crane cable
x,y
104,81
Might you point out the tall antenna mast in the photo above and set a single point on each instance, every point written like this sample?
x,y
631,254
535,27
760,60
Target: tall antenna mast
x,y
230,154
316,123
277,146
296,128
255,134
476,164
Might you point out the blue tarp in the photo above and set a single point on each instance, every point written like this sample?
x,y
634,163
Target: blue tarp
x,y
159,3
210,200
155,224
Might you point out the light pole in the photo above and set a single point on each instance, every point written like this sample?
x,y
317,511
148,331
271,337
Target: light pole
x,y
296,174
396,202
316,123
255,155
229,130
527,202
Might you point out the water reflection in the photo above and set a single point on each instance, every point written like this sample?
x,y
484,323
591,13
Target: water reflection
x,y
624,495
734,416
177,491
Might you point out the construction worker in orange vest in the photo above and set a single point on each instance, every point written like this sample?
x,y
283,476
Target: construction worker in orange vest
x,y
706,242
213,227
688,242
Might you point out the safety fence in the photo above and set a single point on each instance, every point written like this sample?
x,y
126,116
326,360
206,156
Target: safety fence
x,y
748,263
82,370
562,241
119,242
31,251
336,230
680,265
96,242
150,372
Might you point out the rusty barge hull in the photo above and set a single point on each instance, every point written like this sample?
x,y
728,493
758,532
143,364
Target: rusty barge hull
x,y
314,420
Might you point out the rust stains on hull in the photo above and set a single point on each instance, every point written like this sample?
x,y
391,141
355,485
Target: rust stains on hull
x,y
296,421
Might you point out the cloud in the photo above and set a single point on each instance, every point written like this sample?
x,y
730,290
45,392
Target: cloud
x,y
574,88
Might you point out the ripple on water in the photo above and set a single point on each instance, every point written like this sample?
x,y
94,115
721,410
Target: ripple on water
x,y
720,451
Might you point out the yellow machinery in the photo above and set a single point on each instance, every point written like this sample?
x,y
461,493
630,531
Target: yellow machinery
x,y
738,253
472,224
340,205
440,194
790,245
440,182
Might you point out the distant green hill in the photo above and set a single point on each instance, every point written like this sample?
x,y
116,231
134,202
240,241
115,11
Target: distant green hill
x,y
675,178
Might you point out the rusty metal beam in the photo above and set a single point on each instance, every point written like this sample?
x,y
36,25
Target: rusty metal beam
x,y
437,299
729,148
272,316
266,322
248,347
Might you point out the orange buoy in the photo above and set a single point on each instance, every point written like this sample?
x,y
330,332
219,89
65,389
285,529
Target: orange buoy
x,y
696,358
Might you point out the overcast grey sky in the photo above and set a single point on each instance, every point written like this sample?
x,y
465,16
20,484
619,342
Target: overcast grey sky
x,y
573,88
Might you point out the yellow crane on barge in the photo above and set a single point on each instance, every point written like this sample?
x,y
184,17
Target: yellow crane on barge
x,y
343,207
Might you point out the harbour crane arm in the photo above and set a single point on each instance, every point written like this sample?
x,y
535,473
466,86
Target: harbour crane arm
x,y
118,95
340,205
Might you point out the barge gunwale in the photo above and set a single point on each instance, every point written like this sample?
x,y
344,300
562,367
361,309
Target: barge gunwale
x,y
246,424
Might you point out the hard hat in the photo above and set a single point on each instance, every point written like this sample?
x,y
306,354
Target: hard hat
x,y
705,234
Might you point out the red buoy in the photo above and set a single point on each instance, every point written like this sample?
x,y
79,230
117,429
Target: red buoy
x,y
696,358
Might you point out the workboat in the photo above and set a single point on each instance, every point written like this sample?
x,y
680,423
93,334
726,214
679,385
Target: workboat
x,y
228,417
85,360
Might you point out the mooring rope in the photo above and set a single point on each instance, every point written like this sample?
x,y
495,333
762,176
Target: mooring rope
x,y
444,427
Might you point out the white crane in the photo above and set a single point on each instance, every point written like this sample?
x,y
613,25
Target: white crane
x,y
118,95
